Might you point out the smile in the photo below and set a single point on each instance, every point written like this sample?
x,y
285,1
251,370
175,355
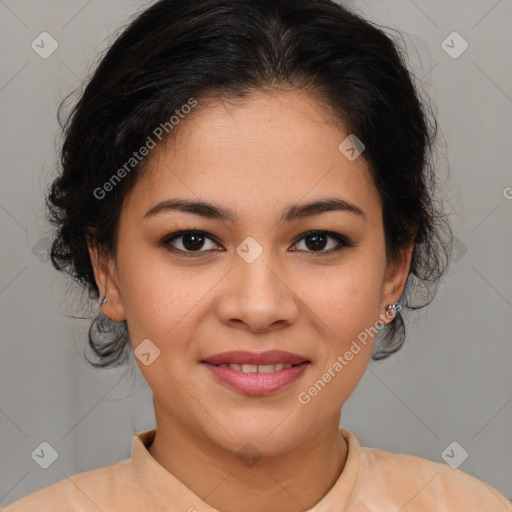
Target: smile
x,y
253,379
256,368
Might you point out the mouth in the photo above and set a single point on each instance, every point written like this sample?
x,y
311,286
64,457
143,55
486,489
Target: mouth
x,y
257,373
246,358
256,368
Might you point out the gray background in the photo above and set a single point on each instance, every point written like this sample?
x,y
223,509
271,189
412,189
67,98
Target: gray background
x,y
450,382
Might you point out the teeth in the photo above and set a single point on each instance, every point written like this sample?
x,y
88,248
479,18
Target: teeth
x,y
257,368
266,368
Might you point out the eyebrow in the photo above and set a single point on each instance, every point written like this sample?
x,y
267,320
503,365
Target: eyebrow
x,y
292,213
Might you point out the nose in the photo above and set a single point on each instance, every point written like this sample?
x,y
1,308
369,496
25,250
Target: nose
x,y
256,297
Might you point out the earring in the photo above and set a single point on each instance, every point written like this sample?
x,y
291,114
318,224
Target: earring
x,y
396,307
103,301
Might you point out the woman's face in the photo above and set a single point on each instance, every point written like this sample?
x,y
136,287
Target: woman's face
x,y
254,282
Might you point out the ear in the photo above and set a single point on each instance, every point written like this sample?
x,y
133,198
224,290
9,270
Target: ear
x,y
395,278
107,282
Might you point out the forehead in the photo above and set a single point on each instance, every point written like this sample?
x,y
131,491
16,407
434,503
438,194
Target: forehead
x,y
267,150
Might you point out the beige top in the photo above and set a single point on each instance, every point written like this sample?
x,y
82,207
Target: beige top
x,y
372,480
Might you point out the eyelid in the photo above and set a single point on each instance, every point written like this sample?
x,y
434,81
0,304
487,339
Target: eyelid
x,y
343,241
166,241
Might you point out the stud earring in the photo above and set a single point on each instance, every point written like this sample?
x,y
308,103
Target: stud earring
x,y
396,307
103,301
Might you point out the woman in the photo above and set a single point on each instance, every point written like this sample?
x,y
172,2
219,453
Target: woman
x,y
246,188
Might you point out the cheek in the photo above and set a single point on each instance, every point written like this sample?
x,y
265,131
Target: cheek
x,y
344,307
162,299
346,299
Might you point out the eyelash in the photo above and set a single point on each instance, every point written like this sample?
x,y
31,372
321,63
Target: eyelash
x,y
343,242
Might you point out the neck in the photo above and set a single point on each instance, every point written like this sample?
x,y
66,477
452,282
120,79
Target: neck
x,y
293,481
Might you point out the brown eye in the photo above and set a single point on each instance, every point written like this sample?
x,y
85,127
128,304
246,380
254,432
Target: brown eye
x,y
189,242
193,241
317,241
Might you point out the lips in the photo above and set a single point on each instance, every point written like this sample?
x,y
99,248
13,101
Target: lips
x,y
256,358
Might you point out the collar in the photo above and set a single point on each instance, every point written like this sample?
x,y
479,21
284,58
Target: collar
x,y
163,489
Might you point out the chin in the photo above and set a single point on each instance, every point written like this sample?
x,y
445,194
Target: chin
x,y
270,438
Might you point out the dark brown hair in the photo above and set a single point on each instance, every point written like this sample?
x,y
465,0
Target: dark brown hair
x,y
176,50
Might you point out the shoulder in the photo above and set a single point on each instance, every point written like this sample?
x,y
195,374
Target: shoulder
x,y
422,484
98,489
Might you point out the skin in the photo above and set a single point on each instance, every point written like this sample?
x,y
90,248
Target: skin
x,y
255,158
